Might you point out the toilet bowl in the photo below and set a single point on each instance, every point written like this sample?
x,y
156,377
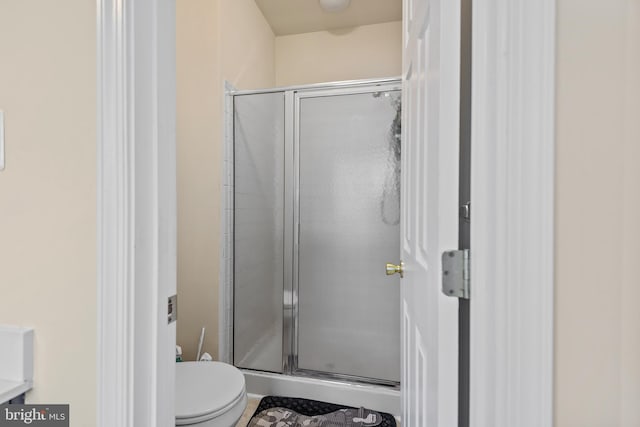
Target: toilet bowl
x,y
209,394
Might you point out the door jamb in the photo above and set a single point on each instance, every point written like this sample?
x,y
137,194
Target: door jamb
x,y
512,235
136,212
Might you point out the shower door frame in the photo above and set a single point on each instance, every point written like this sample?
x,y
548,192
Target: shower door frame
x,y
291,322
290,327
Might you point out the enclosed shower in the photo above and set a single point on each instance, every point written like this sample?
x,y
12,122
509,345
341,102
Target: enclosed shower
x,y
313,213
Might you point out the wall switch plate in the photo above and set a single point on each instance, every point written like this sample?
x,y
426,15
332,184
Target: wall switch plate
x,y
1,140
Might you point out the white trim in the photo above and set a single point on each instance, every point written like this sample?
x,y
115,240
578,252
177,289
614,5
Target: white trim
x,y
114,222
136,212
512,191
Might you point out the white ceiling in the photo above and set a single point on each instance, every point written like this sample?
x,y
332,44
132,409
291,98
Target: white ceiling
x,y
305,16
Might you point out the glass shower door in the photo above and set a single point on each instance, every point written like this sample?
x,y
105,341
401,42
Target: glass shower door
x,y
258,230
348,152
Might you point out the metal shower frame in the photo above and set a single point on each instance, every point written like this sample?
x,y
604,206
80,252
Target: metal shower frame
x,y
292,97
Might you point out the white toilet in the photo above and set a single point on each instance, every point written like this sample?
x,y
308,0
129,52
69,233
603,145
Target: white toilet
x,y
209,394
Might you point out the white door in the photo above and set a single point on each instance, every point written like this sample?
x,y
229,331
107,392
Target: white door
x,y
429,212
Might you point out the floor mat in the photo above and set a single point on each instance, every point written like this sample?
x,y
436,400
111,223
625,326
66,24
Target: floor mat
x,y
277,411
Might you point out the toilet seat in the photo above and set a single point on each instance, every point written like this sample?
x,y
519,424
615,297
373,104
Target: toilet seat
x,y
207,390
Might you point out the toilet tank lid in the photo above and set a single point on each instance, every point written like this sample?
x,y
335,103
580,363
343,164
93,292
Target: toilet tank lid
x,y
204,388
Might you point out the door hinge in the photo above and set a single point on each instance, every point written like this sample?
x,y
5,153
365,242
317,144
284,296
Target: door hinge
x,y
456,279
172,309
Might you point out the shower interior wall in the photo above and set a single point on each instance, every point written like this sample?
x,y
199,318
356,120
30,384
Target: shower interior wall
x,y
229,40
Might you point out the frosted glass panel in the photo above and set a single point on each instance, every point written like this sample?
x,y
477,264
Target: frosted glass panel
x,y
349,212
258,230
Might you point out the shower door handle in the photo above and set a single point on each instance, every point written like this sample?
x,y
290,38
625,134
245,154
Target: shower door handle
x,y
392,269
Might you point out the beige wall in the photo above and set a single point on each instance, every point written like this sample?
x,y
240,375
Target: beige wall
x,y
48,194
369,51
217,40
198,157
247,45
597,379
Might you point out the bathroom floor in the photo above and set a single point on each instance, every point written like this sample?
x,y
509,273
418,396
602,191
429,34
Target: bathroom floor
x,y
248,412
252,404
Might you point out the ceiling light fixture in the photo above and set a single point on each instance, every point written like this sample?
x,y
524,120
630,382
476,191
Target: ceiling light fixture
x,y
334,5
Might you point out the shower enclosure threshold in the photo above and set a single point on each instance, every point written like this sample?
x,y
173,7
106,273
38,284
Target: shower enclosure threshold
x,y
379,398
